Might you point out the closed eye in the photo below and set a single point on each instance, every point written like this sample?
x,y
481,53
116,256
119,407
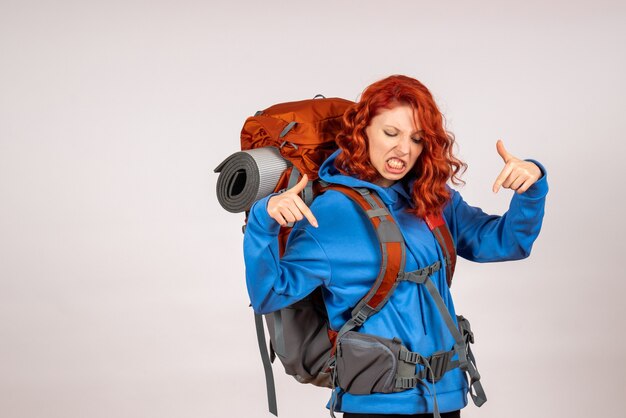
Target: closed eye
x,y
417,140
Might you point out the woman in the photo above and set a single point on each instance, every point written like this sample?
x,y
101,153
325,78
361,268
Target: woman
x,y
393,143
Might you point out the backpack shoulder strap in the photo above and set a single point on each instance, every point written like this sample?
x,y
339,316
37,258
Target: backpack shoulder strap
x,y
440,230
392,249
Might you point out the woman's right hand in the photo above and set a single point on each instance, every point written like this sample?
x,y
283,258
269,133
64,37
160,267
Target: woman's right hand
x,y
289,207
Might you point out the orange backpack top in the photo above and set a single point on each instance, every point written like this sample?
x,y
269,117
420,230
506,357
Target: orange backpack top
x,y
303,131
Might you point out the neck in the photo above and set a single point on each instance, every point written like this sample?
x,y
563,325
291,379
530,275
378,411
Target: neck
x,y
383,182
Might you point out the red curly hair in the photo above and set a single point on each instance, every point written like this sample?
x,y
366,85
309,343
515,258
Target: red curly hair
x,y
435,165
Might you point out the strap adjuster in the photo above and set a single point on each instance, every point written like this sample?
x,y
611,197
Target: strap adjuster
x,y
407,382
437,365
409,356
433,268
360,317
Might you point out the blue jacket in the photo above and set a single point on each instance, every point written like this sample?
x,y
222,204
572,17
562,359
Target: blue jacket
x,y
342,255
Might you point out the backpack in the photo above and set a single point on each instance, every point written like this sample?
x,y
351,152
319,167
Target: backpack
x,y
301,136
304,134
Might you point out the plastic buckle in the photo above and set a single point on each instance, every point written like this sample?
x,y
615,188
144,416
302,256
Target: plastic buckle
x,y
412,357
406,382
360,318
439,366
433,268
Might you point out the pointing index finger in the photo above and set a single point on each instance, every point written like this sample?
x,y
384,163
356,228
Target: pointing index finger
x,y
501,178
306,212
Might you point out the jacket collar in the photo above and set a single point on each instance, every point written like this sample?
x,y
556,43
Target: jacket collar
x,y
398,193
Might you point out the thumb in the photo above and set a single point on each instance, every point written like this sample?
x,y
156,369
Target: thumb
x,y
502,151
300,185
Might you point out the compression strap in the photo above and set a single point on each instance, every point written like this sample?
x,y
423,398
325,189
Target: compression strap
x,y
267,365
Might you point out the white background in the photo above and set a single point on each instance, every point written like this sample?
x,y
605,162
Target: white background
x,y
121,278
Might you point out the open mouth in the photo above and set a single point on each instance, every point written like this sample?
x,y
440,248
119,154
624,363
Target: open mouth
x,y
395,165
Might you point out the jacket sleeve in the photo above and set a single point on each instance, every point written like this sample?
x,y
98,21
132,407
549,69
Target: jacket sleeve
x,y
273,282
485,238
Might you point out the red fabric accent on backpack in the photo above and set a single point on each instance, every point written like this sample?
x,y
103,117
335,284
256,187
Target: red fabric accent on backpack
x,y
437,224
332,336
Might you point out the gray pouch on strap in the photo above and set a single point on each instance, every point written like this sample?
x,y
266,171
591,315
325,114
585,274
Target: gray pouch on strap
x,y
367,363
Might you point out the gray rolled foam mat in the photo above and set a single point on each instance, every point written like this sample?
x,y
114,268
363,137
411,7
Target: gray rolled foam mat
x,y
248,176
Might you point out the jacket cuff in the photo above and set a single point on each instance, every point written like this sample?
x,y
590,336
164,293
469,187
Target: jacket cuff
x,y
260,217
539,189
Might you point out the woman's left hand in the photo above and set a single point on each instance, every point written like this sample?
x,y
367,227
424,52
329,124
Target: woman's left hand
x,y
517,174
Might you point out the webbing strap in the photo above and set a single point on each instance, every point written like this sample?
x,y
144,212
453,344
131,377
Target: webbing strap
x,y
278,333
267,365
476,389
441,306
419,276
287,128
293,177
307,193
411,382
377,212
478,393
436,404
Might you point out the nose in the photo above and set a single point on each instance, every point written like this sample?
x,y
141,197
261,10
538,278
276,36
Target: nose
x,y
403,145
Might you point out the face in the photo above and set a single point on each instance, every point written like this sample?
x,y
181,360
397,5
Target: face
x,y
395,142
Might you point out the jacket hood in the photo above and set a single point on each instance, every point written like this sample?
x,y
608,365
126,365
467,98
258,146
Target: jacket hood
x,y
400,190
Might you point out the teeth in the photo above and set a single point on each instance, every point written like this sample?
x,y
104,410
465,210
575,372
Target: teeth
x,y
393,163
